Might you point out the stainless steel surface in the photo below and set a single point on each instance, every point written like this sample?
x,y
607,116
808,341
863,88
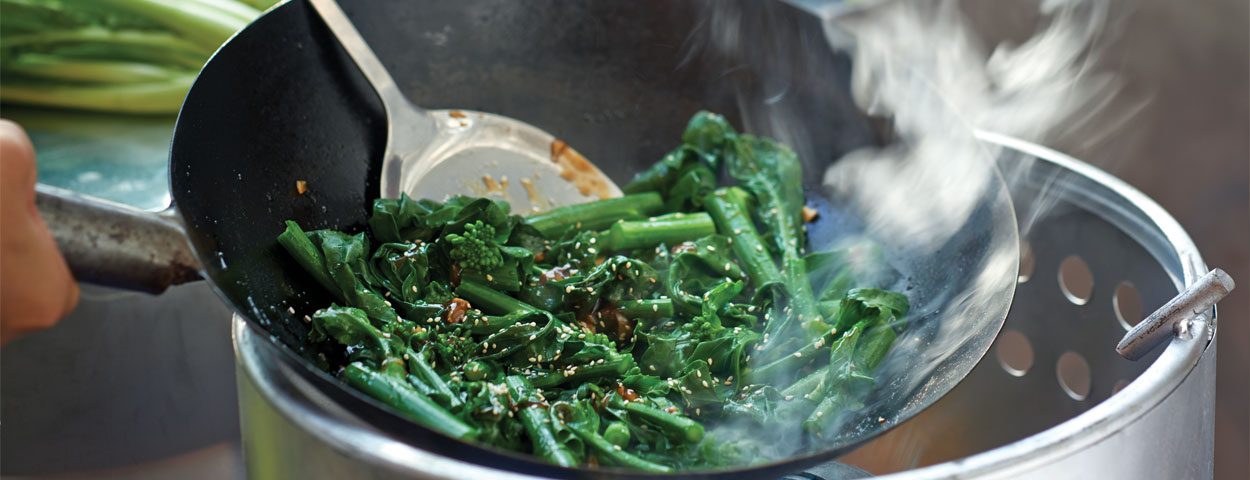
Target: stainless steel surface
x,y
442,152
998,423
117,245
1170,319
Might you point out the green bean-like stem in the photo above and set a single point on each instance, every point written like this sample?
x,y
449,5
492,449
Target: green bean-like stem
x,y
662,308
537,423
489,324
610,368
490,300
614,453
669,229
677,427
595,215
617,433
420,368
398,394
728,207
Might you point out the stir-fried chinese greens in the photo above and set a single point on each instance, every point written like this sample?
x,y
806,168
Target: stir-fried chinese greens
x,y
650,332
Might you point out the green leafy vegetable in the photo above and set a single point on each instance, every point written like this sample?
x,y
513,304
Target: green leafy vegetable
x,y
651,332
128,56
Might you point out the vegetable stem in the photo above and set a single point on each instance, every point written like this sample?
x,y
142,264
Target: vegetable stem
x,y
728,207
662,308
614,453
403,397
537,423
668,229
679,428
491,300
595,215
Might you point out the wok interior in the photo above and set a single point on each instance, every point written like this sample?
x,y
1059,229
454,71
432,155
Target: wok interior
x,y
282,103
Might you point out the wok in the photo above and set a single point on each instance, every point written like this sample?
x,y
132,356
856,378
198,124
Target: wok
x,y
282,102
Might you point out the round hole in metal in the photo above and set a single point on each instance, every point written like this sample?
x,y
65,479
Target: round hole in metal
x,y
1119,385
1074,375
1127,305
1014,352
1075,279
1026,262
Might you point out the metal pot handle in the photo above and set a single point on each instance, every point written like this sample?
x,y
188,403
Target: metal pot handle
x,y
117,245
1173,317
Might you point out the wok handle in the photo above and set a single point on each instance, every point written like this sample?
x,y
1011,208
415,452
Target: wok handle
x,y
116,245
1173,316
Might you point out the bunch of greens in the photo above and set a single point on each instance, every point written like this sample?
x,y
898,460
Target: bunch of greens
x,y
615,332
131,56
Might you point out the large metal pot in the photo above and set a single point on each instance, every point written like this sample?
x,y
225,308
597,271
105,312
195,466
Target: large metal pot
x,y
1055,401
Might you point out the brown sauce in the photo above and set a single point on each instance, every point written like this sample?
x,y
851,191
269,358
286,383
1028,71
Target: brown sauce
x,y
455,310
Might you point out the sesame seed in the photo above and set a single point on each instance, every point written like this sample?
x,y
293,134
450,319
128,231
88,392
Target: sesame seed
x,y
490,278
655,307
726,266
820,414
616,447
705,384
533,337
387,302
798,355
651,367
290,310
759,248
591,250
711,248
414,289
789,397
698,373
532,360
880,419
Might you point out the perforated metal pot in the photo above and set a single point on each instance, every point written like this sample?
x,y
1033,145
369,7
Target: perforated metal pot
x,y
1052,400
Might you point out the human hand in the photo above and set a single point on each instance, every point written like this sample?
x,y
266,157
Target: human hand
x,y
36,287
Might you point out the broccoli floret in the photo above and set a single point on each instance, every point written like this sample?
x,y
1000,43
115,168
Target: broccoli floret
x,y
476,249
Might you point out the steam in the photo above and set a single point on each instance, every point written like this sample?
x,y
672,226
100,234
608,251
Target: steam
x,y
933,200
